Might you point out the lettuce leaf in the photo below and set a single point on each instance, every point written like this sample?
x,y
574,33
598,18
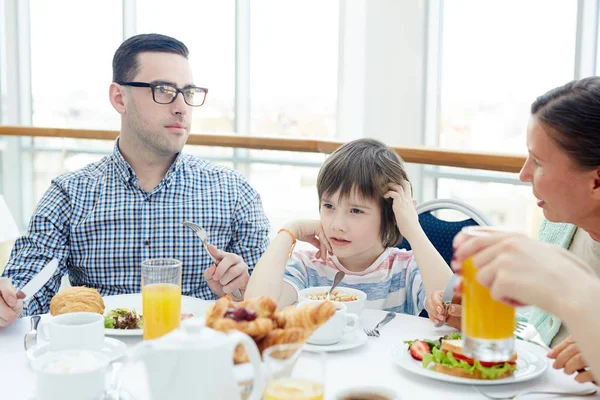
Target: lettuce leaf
x,y
439,357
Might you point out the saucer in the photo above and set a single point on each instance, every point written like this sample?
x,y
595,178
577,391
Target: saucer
x,y
349,341
113,348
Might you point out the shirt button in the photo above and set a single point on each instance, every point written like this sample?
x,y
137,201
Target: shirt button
x,y
147,242
147,199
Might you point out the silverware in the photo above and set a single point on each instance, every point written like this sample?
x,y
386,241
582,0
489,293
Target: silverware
x,y
203,235
336,281
375,331
527,332
580,393
31,336
40,279
447,298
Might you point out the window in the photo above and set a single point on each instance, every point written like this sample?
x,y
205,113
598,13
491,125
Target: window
x,y
496,58
71,70
293,67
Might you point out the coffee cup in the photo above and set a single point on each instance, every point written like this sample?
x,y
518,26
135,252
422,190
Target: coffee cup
x,y
332,331
367,393
71,331
70,375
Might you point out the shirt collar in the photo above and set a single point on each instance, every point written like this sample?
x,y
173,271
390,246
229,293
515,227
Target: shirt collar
x,y
128,174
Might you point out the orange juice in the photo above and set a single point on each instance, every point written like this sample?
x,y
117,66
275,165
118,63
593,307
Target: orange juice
x,y
161,309
482,316
294,389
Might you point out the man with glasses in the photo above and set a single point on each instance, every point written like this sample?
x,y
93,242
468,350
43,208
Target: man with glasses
x,y
101,222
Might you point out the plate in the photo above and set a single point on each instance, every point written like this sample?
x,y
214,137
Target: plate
x,y
349,341
530,365
189,305
113,348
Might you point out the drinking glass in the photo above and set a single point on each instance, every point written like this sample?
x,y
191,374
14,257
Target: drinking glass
x,y
293,373
161,296
487,324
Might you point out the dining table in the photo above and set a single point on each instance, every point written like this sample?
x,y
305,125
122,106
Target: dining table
x,y
371,364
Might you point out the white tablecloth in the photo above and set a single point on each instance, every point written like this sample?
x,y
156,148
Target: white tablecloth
x,y
371,364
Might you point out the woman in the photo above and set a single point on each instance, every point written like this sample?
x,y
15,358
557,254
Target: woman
x,y
519,270
563,166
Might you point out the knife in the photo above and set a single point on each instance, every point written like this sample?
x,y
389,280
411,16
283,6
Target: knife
x,y
447,298
40,279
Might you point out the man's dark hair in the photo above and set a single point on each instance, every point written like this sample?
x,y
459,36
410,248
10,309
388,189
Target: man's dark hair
x,y
125,62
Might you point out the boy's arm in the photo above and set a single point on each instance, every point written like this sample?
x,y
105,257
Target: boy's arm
x,y
267,278
434,271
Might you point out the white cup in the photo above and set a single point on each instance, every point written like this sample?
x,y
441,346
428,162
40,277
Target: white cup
x,y
72,331
70,375
334,329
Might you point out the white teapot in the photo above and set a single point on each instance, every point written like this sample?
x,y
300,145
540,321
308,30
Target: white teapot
x,y
196,362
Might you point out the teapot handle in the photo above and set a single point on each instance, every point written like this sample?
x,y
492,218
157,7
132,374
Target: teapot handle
x,y
259,380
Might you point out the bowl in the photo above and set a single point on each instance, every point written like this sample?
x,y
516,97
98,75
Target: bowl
x,y
70,375
353,307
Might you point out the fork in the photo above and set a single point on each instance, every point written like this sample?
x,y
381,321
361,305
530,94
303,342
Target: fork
x,y
375,331
527,332
581,393
203,235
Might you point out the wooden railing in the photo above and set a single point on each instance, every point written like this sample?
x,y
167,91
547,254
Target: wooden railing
x,y
418,155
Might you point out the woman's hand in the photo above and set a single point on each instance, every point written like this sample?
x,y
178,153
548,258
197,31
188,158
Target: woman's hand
x,y
437,313
566,355
311,231
404,208
519,270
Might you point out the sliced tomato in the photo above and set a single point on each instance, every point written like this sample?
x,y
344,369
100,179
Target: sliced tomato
x,y
418,348
470,361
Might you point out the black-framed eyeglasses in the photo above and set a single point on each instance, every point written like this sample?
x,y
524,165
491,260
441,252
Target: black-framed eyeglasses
x,y
165,93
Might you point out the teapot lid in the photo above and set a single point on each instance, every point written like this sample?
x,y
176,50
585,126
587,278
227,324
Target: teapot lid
x,y
193,334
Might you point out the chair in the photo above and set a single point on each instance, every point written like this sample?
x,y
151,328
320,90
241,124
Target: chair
x,y
440,232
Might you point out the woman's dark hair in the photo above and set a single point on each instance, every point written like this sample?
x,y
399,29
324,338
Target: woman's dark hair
x,y
572,112
366,166
125,61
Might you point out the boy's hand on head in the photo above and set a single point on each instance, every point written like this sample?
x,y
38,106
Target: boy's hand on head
x,y
404,208
311,231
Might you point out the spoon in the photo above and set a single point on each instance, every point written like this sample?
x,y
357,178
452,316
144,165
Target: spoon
x,y
336,280
31,336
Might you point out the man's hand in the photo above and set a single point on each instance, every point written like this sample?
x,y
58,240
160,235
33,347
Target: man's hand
x,y
230,273
11,302
566,355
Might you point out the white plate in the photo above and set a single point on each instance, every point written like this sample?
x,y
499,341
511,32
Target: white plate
x,y
530,365
349,341
113,348
189,305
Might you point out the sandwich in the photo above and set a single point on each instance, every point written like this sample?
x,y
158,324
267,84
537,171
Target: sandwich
x,y
449,359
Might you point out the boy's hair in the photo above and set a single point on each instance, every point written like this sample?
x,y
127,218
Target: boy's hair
x,y
125,61
366,166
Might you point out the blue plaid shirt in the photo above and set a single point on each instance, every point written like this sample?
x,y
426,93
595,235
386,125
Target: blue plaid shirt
x,y
100,224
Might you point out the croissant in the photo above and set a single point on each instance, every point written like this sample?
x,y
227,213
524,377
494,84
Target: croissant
x,y
218,310
263,306
256,329
308,316
77,298
284,336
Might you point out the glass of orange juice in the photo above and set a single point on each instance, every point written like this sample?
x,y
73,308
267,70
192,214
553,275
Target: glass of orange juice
x,y
161,296
293,373
487,324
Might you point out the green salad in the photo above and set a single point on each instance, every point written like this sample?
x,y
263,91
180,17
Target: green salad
x,y
123,318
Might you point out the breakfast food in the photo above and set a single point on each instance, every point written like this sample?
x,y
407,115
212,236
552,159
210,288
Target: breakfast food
x,y
336,295
259,319
76,299
448,358
122,318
